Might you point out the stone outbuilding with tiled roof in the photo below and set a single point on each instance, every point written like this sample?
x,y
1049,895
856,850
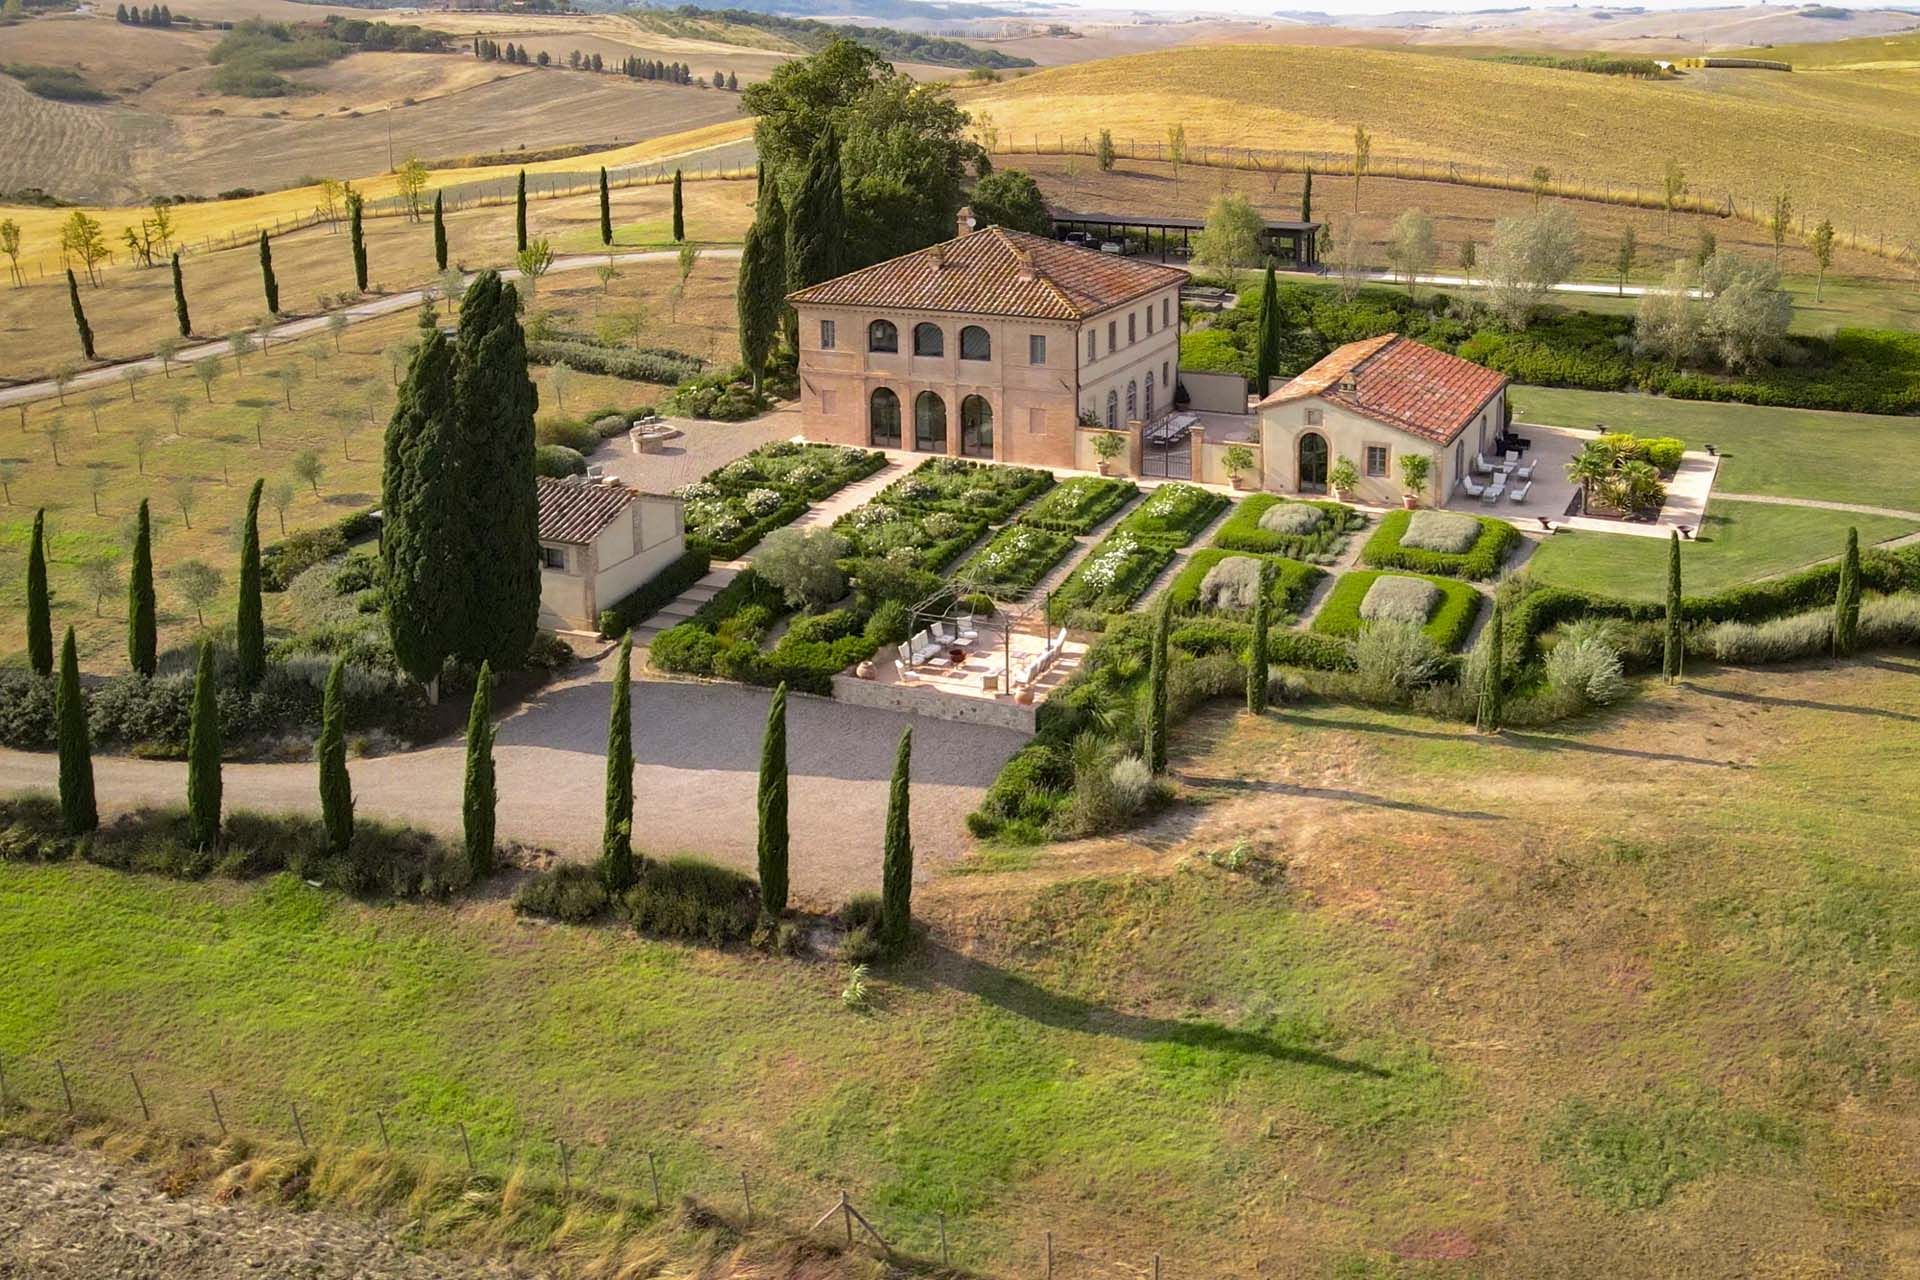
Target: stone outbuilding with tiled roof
x,y
600,540
996,345
1375,402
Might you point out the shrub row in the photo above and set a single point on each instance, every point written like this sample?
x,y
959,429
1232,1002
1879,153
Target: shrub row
x,y
1079,505
1289,581
809,470
1285,646
281,562
683,898
649,596
667,368
1480,562
1448,628
1114,574
1016,558
1242,531
986,491
1174,514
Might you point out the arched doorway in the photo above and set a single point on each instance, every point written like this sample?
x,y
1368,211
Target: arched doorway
x,y
976,427
930,423
1313,463
883,419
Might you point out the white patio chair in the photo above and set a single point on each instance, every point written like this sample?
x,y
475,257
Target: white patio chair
x,y
1513,457
1480,465
1519,492
1473,490
1526,472
966,630
905,652
1492,495
942,632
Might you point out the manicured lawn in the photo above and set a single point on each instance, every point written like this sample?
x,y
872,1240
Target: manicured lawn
x,y
1789,453
1739,541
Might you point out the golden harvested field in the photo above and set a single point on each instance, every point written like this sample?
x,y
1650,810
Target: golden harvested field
x,y
1452,110
340,407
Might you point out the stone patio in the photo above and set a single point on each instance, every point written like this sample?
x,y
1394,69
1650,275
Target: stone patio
x,y
1552,494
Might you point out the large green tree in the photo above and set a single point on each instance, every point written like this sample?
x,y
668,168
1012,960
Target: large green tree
x,y
77,809
1257,649
616,832
80,325
520,214
269,283
1673,649
1846,600
250,631
39,600
336,787
203,755
424,542
606,209
180,314
679,211
1266,358
142,628
773,842
478,795
357,238
1492,678
1009,198
439,232
896,874
760,295
817,220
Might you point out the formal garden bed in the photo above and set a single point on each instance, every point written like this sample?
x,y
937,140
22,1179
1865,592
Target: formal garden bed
x,y
724,523
1078,506
930,540
1114,575
983,490
1447,607
813,471
1174,514
1451,543
1219,582
1315,532
1015,559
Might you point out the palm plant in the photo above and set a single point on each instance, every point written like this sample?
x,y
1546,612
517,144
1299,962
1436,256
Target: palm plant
x,y
1594,464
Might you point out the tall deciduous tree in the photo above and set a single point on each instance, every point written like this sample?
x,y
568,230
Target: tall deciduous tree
x,y
520,214
606,209
80,325
424,542
439,232
357,238
250,631
1492,678
1821,242
1266,358
760,295
773,842
77,809
1156,744
39,600
479,798
142,629
896,876
679,210
616,832
1846,599
1673,651
180,314
203,755
336,787
269,285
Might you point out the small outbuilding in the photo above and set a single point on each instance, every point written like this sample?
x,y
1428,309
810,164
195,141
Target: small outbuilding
x,y
600,540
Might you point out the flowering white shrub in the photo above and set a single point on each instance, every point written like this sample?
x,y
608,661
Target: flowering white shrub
x,y
763,502
1102,568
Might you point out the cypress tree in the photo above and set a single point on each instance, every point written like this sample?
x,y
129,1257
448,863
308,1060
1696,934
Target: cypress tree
x,y
142,631
1156,744
1306,198
80,324
761,292
477,806
39,600
520,213
357,237
423,543
1257,651
606,210
1493,679
77,807
896,877
1267,358
336,787
203,755
773,807
616,834
1673,655
1846,599
439,232
494,403
679,212
180,301
250,632
268,285
817,223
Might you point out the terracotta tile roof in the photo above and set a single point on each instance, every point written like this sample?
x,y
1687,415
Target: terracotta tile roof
x,y
575,511
1401,383
999,272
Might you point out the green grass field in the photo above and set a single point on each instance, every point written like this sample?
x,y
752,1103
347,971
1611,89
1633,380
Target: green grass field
x,y
1738,542
1788,453
1677,1006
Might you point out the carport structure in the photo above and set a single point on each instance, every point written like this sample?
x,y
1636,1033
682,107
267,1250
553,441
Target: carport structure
x,y
1288,242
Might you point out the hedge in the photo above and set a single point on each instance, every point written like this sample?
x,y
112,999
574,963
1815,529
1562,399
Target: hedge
x,y
646,599
1137,562
1242,531
283,561
667,368
1291,581
772,466
1079,505
1027,552
1480,562
986,491
752,531
1174,514
1286,646
1448,628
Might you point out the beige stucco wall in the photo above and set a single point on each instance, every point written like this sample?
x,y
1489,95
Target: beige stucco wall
x,y
1348,435
625,554
1215,392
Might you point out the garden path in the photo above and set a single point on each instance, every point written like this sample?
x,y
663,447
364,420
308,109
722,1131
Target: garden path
x,y
1858,508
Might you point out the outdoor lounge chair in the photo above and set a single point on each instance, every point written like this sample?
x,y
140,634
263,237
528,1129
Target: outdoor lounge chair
x,y
1513,457
1492,495
1473,490
966,632
1519,492
1481,467
1526,472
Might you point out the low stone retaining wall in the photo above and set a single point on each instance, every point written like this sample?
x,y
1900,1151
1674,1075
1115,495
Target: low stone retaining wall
x,y
921,700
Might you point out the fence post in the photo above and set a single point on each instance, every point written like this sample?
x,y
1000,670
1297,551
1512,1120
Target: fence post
x,y
385,1145
1049,1255
566,1171
1156,1267
945,1260
145,1114
746,1193
62,1069
653,1171
300,1130
464,1142
217,1117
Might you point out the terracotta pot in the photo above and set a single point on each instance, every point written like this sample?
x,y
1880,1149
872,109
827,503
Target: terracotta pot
x,y
1409,500
1104,464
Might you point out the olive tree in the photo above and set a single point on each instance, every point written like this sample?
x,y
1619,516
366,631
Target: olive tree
x,y
1231,239
1411,248
804,565
1529,258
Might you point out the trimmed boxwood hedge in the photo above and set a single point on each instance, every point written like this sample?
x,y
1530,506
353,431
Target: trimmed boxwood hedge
x,y
1173,513
1078,505
1480,562
776,466
1452,620
1286,646
1291,581
986,491
1135,571
874,530
1044,549
660,366
1242,531
751,531
649,596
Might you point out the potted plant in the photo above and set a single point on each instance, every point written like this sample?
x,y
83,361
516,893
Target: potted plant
x,y
1107,446
1238,460
1414,469
1344,477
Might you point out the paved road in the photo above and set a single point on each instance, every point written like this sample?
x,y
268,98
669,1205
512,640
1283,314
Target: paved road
x,y
697,757
372,309
1590,288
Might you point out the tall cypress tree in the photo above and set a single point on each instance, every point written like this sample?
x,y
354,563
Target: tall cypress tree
x,y
1267,358
1493,679
1674,650
180,301
203,755
477,805
495,401
357,237
423,543
249,631
679,212
142,630
1846,599
606,209
817,222
77,808
1257,650
39,600
773,807
1156,744
520,213
616,833
439,232
80,324
268,284
336,787
896,875
761,292
1306,198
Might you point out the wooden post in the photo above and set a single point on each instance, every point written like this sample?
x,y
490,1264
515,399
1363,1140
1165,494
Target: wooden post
x,y
746,1193
1049,1255
653,1171
1156,1267
145,1114
62,1069
299,1129
468,1144
846,1216
217,1117
381,1120
566,1170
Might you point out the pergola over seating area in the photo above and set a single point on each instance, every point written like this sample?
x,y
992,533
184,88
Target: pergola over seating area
x,y
1287,241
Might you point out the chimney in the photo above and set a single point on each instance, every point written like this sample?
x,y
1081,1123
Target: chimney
x,y
1025,269
965,224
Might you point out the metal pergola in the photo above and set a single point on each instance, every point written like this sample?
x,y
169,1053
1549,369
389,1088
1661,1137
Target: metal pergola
x,y
1009,612
1299,238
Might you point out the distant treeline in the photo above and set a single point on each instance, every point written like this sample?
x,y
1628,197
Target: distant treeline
x,y
1595,64
904,46
157,16
633,68
253,54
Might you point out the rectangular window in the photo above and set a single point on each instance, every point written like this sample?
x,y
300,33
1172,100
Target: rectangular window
x,y
1036,348
1090,337
1113,335
826,402
1149,322
554,558
1376,460
1166,373
1166,311
1315,417
1133,330
826,335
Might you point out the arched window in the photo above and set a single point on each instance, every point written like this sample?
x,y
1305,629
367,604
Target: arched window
x,y
883,419
882,336
975,343
976,427
1133,401
1149,391
930,423
1113,410
928,340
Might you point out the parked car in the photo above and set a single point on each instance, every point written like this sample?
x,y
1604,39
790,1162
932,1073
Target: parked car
x,y
1082,238
1112,246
